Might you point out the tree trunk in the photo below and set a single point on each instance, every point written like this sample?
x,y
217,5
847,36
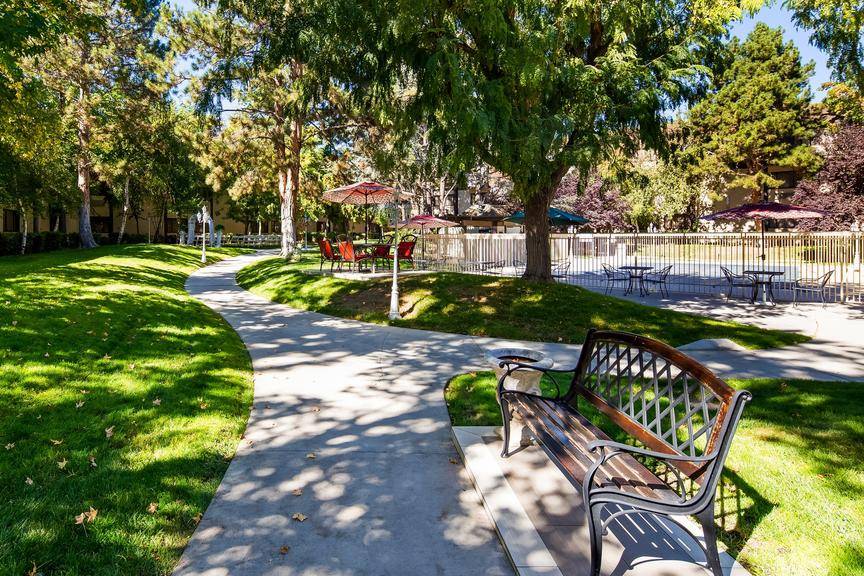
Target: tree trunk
x,y
24,230
84,229
538,265
125,210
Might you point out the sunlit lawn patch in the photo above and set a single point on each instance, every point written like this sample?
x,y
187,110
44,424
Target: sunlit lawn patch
x,y
492,306
792,502
118,393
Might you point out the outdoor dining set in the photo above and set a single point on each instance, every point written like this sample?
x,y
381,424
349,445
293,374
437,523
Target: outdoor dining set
x,y
368,255
752,282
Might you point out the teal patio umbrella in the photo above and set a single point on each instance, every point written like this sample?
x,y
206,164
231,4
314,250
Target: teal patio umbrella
x,y
556,218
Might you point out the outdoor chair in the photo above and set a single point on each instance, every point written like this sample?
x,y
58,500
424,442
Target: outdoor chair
x,y
352,256
682,415
814,286
615,276
560,269
381,252
658,279
745,281
327,254
405,250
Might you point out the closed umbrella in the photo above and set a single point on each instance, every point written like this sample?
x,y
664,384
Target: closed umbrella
x,y
362,193
760,211
423,221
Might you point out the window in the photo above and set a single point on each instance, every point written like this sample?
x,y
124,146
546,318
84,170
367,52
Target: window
x,y
11,221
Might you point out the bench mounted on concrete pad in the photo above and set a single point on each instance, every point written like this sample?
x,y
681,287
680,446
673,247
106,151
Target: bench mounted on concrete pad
x,y
683,415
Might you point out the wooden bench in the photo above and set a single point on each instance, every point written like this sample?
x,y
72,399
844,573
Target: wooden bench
x,y
683,415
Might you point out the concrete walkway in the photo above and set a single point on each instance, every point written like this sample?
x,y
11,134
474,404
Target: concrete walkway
x,y
349,430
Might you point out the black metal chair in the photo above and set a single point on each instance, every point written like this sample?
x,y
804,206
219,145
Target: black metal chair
x,y
740,281
658,278
560,269
814,286
614,276
683,415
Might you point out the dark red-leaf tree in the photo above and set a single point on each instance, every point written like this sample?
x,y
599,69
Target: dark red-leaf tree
x,y
839,186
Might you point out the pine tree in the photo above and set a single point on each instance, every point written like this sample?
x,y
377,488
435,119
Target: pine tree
x,y
758,115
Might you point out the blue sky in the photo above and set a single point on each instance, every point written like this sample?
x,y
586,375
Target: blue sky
x,y
776,16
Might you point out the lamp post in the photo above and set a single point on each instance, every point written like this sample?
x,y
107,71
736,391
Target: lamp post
x,y
394,289
203,216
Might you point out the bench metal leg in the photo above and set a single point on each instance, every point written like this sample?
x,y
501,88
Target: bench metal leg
x,y
709,530
595,531
505,416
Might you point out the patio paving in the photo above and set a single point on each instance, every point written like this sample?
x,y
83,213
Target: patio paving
x,y
349,428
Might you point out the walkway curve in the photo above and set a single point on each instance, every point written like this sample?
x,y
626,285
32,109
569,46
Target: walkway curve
x,y
384,493
348,428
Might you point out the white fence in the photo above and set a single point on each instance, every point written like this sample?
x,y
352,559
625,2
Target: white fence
x,y
695,258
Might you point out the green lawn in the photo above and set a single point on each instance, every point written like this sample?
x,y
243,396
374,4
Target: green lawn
x,y
118,394
491,306
793,496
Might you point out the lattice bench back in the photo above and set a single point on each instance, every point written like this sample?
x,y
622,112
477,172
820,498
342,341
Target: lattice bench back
x,y
655,393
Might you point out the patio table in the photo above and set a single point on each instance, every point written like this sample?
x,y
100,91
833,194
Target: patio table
x,y
480,265
636,273
765,282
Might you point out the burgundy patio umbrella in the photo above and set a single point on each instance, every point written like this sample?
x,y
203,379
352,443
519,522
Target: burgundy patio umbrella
x,y
760,211
362,193
423,221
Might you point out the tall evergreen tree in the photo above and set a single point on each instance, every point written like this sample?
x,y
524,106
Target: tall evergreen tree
x,y
758,115
107,49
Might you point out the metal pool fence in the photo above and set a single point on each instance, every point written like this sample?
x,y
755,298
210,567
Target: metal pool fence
x,y
696,259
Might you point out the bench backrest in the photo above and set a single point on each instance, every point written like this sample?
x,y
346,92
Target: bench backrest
x,y
658,395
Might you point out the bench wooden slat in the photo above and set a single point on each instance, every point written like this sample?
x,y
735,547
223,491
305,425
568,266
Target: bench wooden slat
x,y
565,434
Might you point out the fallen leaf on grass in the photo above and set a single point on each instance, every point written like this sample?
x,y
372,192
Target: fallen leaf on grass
x,y
28,481
88,516
10,445
157,402
197,518
79,404
62,464
132,366
151,509
14,322
299,517
92,460
109,432
56,442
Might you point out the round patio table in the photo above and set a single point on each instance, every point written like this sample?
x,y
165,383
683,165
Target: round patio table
x,y
636,273
765,282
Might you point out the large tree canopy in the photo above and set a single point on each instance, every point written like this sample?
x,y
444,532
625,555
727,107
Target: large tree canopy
x,y
530,87
837,27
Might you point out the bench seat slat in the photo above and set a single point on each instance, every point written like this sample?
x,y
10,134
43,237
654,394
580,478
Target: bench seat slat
x,y
565,434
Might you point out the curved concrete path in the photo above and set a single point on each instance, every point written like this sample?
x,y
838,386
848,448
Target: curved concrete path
x,y
352,415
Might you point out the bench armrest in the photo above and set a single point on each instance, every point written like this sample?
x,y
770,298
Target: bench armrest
x,y
609,450
513,366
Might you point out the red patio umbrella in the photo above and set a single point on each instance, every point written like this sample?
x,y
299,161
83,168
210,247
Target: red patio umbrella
x,y
362,193
766,211
423,221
